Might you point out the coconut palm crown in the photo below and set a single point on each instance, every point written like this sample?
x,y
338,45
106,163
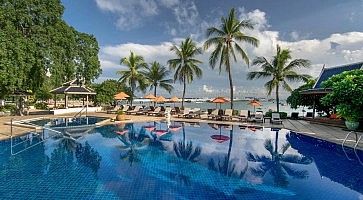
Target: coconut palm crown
x,y
280,71
225,39
133,76
157,76
185,64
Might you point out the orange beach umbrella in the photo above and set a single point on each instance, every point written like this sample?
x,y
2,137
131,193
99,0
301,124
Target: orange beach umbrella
x,y
255,104
149,96
220,100
121,96
159,99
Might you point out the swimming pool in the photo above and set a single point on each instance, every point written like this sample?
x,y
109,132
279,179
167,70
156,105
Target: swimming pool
x,y
64,121
189,161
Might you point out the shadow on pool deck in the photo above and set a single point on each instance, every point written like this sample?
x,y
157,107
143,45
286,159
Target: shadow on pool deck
x,y
328,133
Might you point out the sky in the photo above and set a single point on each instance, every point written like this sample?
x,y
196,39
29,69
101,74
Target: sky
x,y
327,33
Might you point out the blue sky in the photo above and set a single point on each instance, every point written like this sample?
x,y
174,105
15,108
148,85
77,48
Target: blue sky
x,y
326,32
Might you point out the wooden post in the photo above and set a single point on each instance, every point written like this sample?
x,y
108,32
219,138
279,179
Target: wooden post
x,y
314,108
55,101
66,101
86,104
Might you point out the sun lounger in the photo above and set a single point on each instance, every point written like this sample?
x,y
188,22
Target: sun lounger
x,y
258,117
243,115
113,110
134,111
213,114
125,108
185,112
144,111
227,115
275,118
155,112
194,113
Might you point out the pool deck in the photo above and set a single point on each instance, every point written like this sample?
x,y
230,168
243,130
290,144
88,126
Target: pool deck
x,y
328,133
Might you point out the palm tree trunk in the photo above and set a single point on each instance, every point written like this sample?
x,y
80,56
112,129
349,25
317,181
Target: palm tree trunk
x,y
154,94
230,86
184,85
277,98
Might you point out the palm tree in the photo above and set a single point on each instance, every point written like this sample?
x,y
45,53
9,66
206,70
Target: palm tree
x,y
225,40
185,65
280,70
132,76
157,75
277,163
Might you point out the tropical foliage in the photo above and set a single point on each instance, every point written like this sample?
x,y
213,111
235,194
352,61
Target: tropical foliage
x,y
280,70
106,90
133,75
346,95
157,76
226,40
185,64
35,39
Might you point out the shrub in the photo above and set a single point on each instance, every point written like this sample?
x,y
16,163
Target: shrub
x,y
8,108
283,115
41,106
346,95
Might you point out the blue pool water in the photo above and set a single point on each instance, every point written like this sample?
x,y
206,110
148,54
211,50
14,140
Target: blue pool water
x,y
66,122
190,161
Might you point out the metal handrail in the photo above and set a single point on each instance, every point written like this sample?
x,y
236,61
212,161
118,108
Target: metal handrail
x,y
80,112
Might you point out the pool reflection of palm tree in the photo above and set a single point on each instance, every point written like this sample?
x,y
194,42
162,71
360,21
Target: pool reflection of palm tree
x,y
132,143
185,150
277,164
227,167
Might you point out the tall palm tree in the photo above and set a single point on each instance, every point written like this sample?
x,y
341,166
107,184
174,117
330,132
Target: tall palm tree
x,y
157,76
185,65
133,76
280,70
226,40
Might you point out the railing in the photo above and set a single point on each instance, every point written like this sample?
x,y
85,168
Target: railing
x,y
83,110
357,140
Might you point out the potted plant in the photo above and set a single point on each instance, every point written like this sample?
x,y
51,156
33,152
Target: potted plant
x,y
350,114
120,115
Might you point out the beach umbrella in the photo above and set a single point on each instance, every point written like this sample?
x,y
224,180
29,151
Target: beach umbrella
x,y
121,96
150,96
255,104
219,138
220,100
159,99
174,99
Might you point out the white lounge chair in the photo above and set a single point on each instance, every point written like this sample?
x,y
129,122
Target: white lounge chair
x,y
186,112
213,114
194,113
155,112
258,117
134,111
243,115
228,114
275,118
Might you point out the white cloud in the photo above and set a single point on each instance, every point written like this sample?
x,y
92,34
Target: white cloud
x,y
128,18
318,51
207,89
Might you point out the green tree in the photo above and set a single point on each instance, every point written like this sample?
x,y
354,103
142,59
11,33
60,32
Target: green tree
x,y
33,39
280,70
185,64
133,76
106,90
226,40
157,76
346,95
